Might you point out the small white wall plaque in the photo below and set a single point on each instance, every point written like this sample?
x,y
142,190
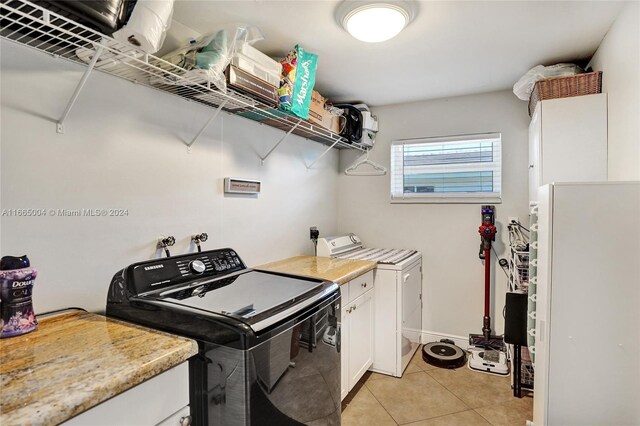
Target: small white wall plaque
x,y
242,186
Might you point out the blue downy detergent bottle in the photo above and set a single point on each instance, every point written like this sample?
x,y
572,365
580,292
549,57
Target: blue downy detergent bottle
x,y
16,287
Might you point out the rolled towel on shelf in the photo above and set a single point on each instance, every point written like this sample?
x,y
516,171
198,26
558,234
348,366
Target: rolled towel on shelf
x,y
147,27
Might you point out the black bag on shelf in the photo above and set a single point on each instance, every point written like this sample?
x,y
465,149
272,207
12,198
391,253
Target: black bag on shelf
x,y
352,130
105,16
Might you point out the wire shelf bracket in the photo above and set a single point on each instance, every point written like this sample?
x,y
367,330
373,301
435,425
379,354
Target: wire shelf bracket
x,y
81,83
282,139
209,121
322,155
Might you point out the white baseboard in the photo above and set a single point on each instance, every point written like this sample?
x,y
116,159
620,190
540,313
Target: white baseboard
x,y
430,336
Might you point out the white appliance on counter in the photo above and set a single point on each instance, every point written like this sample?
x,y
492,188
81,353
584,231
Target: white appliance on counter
x,y
398,299
587,316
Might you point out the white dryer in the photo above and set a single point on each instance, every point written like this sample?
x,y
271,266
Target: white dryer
x,y
398,299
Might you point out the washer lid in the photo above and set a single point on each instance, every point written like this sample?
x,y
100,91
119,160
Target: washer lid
x,y
254,297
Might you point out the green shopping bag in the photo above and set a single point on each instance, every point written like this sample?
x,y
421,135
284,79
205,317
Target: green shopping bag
x,y
297,82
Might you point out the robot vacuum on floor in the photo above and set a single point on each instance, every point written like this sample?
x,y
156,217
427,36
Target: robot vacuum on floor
x,y
443,354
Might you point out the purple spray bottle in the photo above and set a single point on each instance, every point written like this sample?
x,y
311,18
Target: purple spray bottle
x,y
16,287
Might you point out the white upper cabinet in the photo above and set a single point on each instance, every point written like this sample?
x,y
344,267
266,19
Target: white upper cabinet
x,y
568,141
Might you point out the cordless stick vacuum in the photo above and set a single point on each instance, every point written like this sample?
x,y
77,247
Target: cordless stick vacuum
x,y
487,351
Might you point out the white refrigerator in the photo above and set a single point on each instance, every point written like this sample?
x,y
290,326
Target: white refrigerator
x,y
587,369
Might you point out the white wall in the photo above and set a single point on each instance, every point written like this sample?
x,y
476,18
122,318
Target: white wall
x,y
618,57
123,148
446,234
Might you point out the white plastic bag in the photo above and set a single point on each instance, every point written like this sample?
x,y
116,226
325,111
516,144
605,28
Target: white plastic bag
x,y
524,86
204,61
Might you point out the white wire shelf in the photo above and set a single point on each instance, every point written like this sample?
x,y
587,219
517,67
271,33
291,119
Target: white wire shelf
x,y
518,270
33,26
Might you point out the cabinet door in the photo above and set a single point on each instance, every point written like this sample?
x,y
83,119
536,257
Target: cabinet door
x,y
535,133
344,350
386,307
593,293
360,336
411,312
574,139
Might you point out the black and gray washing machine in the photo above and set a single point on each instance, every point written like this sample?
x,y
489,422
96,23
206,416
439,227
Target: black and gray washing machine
x,y
264,357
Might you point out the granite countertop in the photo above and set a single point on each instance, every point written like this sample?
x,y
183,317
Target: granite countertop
x,y
75,360
339,271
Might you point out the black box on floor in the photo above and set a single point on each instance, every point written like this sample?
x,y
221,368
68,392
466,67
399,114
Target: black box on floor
x,y
515,323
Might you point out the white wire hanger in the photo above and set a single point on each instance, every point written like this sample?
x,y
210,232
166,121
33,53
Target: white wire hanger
x,y
378,170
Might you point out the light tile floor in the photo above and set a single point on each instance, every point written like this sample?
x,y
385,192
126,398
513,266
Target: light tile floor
x,y
432,396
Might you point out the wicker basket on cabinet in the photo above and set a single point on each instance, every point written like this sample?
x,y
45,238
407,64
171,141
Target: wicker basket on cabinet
x,y
564,87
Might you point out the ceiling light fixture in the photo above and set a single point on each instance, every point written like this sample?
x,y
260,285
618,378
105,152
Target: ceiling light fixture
x,y
374,22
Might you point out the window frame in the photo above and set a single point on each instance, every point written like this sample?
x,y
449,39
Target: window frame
x,y
448,197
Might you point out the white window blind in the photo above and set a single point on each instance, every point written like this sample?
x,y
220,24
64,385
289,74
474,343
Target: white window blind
x,y
465,168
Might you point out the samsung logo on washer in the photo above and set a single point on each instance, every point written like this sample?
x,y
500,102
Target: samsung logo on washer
x,y
152,267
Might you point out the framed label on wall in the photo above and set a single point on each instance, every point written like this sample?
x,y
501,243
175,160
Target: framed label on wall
x,y
242,186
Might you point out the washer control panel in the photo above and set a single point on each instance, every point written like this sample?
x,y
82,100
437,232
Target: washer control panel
x,y
211,261
165,272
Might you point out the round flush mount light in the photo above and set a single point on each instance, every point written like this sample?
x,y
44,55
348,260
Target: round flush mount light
x,y
374,22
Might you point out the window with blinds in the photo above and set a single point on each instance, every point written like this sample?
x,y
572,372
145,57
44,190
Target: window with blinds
x,y
465,168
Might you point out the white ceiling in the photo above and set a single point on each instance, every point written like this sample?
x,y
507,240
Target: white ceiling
x,y
451,48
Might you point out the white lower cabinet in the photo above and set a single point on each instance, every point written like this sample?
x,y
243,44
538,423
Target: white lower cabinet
x,y
360,337
357,332
161,400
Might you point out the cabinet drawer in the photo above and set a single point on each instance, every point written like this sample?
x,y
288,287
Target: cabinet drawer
x,y
359,285
153,400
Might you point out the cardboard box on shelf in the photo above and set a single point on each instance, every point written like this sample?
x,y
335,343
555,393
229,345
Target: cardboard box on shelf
x,y
244,82
255,69
320,116
257,57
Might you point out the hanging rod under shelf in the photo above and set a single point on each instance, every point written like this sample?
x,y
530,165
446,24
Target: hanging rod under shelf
x,y
33,26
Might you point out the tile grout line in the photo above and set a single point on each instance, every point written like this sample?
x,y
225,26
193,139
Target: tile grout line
x,y
442,384
378,401
428,418
423,370
445,415
475,410
451,392
471,408
486,419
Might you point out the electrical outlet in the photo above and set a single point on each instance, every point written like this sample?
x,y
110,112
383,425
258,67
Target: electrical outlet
x,y
514,219
314,233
